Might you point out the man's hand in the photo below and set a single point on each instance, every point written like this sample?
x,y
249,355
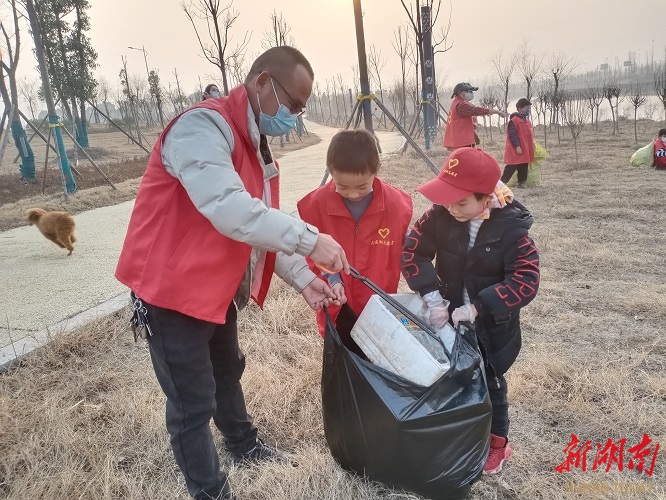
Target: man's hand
x,y
340,296
464,313
318,294
329,255
519,150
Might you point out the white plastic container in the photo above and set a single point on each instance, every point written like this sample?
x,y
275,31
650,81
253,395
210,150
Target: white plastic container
x,y
393,342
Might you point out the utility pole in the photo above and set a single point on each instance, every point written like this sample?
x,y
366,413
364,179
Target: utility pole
x,y
145,57
363,66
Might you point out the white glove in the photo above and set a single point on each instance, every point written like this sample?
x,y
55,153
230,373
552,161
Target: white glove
x,y
464,313
438,309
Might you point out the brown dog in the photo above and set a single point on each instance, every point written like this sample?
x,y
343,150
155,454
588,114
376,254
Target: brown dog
x,y
55,226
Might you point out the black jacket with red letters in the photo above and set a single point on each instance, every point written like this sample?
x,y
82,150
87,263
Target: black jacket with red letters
x,y
500,272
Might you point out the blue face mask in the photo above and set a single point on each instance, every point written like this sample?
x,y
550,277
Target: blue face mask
x,y
215,94
277,125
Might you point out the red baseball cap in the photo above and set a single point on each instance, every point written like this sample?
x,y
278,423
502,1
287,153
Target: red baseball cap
x,y
466,171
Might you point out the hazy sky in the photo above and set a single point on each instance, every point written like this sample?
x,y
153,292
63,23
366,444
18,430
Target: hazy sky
x,y
595,31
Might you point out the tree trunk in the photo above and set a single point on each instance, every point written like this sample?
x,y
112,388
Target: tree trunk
x,y
18,132
220,49
610,103
636,124
70,184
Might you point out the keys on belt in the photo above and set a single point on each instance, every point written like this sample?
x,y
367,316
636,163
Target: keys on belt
x,y
139,321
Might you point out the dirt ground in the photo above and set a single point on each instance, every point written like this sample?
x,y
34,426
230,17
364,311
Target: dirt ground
x,y
84,417
94,189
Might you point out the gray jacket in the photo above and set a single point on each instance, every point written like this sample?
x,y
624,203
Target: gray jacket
x,y
197,151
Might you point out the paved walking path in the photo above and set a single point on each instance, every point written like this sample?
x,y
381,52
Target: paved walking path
x,y
42,291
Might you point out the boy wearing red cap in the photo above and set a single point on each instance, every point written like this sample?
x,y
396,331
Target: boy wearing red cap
x,y
486,266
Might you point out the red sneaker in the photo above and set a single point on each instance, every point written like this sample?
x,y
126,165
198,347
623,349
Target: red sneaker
x,y
500,451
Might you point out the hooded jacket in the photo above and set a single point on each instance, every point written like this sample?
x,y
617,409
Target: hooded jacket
x,y
500,272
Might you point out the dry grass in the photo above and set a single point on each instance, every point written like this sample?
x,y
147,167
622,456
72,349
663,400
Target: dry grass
x,y
83,417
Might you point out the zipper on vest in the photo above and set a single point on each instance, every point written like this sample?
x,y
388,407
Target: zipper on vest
x,y
356,227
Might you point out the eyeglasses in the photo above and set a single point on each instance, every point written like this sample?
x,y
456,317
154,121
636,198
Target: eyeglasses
x,y
295,109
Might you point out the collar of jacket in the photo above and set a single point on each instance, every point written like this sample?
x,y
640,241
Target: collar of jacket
x,y
336,207
513,215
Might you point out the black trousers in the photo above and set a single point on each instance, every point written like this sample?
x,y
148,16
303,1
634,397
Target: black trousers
x,y
510,169
497,389
199,366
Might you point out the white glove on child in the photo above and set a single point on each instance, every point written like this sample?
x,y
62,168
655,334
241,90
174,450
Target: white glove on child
x,y
438,309
464,313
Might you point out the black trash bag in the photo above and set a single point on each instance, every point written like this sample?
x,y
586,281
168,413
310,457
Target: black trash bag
x,y
432,441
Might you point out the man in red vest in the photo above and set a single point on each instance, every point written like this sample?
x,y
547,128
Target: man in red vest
x,y
460,125
204,237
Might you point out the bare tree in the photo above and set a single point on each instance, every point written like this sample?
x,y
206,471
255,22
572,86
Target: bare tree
x,y
594,96
278,34
401,46
637,98
414,16
490,99
29,91
237,68
181,98
219,20
375,66
559,66
529,65
660,89
575,115
541,104
614,91
341,90
441,45
504,66
104,95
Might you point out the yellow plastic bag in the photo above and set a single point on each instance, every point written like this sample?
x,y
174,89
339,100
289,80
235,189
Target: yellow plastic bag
x,y
644,157
533,169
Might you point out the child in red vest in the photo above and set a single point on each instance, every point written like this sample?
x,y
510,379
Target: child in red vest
x,y
660,150
366,216
519,149
460,128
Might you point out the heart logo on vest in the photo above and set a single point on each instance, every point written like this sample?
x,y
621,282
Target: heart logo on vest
x,y
383,232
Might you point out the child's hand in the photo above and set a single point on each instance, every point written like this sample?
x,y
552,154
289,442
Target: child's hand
x,y
519,150
339,291
438,309
439,316
464,313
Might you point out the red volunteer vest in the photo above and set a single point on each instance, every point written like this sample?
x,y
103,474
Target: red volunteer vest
x,y
373,245
526,138
659,154
173,257
459,130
